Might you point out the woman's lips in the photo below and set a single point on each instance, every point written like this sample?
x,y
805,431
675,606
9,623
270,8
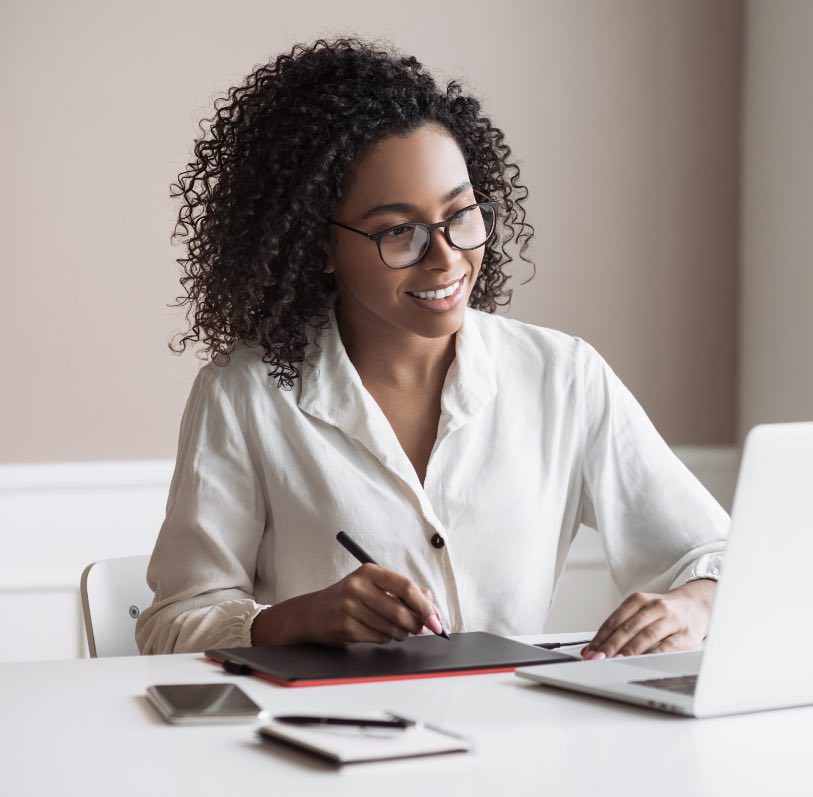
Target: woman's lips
x,y
445,304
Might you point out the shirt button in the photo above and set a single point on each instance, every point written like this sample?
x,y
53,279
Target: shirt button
x,y
437,541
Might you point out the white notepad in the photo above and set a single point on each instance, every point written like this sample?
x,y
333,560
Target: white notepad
x,y
353,746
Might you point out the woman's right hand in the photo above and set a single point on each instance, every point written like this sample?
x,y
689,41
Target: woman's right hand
x,y
371,604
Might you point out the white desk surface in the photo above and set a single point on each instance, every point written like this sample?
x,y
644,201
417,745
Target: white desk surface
x,y
84,727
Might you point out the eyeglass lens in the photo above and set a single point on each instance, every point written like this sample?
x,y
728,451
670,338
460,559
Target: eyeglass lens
x,y
406,244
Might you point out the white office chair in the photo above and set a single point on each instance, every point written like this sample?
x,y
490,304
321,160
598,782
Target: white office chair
x,y
114,592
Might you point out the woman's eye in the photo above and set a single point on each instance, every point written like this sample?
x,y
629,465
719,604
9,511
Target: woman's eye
x,y
396,232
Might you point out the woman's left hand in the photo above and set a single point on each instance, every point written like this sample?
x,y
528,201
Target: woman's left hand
x,y
648,622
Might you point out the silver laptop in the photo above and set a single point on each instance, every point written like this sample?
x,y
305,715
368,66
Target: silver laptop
x,y
763,603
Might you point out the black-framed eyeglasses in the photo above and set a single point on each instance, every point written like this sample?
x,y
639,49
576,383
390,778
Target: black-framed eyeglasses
x,y
405,244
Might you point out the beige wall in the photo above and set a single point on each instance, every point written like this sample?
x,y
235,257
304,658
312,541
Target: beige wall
x,y
624,115
776,337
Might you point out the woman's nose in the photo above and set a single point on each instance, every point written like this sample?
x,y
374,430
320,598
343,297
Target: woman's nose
x,y
441,256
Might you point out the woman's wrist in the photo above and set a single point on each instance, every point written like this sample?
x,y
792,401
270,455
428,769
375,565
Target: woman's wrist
x,y
280,624
703,589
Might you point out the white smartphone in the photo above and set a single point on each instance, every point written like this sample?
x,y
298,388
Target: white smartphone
x,y
187,704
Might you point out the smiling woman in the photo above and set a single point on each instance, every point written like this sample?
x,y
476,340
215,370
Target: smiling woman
x,y
277,164
377,288
347,224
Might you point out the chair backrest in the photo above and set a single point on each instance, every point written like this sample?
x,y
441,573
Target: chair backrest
x,y
114,592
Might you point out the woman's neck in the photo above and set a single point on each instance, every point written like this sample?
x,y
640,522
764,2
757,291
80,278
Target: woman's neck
x,y
395,359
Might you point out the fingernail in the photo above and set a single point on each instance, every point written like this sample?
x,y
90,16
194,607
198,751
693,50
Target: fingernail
x,y
435,625
619,655
599,656
424,631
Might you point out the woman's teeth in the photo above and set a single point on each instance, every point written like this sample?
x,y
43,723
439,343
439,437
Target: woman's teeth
x,y
442,294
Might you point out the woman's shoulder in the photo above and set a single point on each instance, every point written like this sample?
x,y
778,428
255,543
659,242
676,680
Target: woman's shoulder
x,y
529,343
242,375
530,355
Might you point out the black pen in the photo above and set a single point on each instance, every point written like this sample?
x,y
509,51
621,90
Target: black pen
x,y
356,550
299,719
555,645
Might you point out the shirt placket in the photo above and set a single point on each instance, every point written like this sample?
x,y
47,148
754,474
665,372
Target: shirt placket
x,y
442,539
379,438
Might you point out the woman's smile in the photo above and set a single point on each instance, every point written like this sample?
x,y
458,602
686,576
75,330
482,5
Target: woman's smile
x,y
442,298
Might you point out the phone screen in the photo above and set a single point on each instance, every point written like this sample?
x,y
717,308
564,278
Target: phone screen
x,y
202,702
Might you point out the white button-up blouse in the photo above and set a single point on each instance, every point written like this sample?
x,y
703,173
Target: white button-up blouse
x,y
536,436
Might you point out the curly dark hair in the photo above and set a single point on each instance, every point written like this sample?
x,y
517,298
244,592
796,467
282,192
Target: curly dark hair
x,y
272,167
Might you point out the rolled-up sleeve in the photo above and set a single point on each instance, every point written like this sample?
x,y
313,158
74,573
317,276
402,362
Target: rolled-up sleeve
x,y
659,526
203,565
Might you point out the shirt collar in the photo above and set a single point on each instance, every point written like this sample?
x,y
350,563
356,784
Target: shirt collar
x,y
333,391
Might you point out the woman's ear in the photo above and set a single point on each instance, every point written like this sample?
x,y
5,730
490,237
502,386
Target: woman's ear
x,y
328,269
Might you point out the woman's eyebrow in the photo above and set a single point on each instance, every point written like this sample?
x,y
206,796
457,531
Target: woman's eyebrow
x,y
403,207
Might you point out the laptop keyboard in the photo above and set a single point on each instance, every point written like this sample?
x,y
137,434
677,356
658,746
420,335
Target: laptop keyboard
x,y
682,684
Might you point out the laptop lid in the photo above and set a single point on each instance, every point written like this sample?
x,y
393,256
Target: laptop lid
x,y
765,594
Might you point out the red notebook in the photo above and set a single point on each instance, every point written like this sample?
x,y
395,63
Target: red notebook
x,y
416,657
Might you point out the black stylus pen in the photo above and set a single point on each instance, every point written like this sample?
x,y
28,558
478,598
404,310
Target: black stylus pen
x,y
555,645
299,719
356,550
